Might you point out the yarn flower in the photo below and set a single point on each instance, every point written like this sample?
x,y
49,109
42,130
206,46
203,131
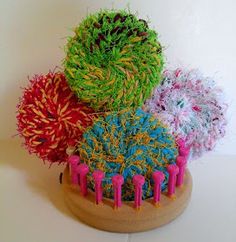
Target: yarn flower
x,y
192,106
50,117
127,143
113,61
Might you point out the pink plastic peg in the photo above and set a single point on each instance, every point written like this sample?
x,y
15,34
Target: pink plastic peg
x,y
158,177
138,181
180,142
83,170
117,182
74,161
98,176
181,162
173,170
184,151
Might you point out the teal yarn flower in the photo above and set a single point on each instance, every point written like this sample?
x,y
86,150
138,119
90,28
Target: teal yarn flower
x,y
113,61
127,143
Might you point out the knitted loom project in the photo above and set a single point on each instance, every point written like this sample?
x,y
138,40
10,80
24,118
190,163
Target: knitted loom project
x,y
127,143
124,129
113,61
192,106
50,117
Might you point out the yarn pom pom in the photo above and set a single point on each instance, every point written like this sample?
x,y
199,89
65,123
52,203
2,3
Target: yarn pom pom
x,y
127,143
50,118
113,61
192,106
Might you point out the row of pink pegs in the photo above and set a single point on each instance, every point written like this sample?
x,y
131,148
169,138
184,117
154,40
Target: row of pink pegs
x,y
176,172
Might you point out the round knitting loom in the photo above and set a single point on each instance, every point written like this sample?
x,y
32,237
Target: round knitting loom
x,y
105,215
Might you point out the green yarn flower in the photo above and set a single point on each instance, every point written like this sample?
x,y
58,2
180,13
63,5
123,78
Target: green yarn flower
x,y
127,143
113,61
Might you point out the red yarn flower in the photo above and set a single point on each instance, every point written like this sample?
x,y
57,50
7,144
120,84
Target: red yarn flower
x,y
50,117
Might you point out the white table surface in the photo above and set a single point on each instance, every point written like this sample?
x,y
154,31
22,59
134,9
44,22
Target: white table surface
x,y
32,207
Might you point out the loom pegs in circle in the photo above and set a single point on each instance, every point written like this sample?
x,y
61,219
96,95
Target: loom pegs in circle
x,y
181,162
173,170
158,177
138,181
117,182
184,151
180,142
74,161
83,170
98,177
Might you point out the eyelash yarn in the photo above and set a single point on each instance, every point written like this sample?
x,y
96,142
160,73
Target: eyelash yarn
x,y
50,118
113,61
192,106
128,143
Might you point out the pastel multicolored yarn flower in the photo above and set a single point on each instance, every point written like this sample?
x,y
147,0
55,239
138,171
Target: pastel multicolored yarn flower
x,y
50,117
127,143
192,106
113,61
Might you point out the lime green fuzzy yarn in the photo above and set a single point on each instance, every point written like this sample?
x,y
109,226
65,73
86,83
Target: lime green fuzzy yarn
x,y
113,61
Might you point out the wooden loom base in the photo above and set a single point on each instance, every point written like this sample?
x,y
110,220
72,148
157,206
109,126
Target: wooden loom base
x,y
126,219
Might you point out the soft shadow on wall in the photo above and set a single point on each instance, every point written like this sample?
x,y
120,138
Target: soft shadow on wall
x,y
31,42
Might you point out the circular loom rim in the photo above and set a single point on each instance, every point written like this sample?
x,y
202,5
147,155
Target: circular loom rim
x,y
125,219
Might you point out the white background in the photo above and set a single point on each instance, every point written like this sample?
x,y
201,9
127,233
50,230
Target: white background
x,y
196,34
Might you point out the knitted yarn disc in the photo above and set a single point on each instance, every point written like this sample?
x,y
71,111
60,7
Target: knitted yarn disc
x,y
127,143
113,61
50,118
192,106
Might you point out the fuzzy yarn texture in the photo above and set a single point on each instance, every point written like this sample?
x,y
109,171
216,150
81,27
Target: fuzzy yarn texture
x,y
127,143
192,106
113,61
50,117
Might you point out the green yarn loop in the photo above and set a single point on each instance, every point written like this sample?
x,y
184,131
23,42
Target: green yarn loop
x,y
113,61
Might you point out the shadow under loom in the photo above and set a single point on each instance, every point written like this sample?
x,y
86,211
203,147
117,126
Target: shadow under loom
x,y
42,179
